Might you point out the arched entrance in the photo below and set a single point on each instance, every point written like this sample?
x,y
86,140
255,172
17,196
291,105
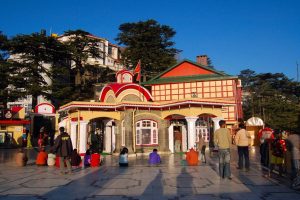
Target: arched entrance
x,y
102,135
177,133
205,127
43,124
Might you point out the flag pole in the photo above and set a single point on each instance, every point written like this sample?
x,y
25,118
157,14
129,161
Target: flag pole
x,y
140,75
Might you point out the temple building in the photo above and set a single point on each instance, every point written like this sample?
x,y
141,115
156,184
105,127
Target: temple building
x,y
167,112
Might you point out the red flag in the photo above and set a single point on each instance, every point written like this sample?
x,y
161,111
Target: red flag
x,y
137,70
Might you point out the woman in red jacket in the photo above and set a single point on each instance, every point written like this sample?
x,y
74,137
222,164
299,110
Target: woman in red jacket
x,y
278,148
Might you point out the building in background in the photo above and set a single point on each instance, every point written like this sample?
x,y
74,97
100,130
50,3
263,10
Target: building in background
x,y
37,119
167,112
12,126
110,57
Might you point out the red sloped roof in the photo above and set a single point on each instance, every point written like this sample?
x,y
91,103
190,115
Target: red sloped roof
x,y
16,109
186,69
14,122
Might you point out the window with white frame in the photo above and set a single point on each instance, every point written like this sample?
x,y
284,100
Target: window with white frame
x,y
146,132
123,134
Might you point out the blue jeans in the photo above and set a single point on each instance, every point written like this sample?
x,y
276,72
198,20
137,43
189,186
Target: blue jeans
x,y
224,163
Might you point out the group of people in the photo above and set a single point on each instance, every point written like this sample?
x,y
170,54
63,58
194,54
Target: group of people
x,y
62,148
278,143
154,158
49,159
222,139
273,149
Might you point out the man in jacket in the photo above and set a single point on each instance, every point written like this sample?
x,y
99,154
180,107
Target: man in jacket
x,y
243,141
222,139
63,147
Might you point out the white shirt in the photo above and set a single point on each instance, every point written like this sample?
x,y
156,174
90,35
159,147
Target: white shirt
x,y
242,138
51,159
123,158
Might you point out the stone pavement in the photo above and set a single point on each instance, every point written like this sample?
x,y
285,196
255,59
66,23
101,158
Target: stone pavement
x,y
169,181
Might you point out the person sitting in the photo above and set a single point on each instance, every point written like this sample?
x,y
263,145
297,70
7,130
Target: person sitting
x,y
192,157
87,159
51,158
21,158
123,158
95,159
42,156
75,158
154,158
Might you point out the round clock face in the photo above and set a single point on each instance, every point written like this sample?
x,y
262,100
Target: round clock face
x,y
8,114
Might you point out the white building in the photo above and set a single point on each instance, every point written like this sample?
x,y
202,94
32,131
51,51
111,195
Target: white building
x,y
110,57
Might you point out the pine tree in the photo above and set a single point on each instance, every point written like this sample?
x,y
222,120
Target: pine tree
x,y
33,55
272,97
81,45
149,42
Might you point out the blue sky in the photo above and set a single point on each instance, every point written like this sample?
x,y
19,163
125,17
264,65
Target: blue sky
x,y
262,35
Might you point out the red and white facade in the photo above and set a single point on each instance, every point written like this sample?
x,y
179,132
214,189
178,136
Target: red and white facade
x,y
167,112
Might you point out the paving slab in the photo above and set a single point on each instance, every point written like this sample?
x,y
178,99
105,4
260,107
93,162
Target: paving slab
x,y
139,181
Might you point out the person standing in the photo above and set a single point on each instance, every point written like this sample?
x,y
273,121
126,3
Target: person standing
x,y
242,141
294,144
265,137
63,147
24,139
222,139
278,149
201,149
178,139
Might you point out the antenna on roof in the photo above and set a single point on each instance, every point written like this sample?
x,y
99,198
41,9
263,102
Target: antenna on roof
x,y
297,72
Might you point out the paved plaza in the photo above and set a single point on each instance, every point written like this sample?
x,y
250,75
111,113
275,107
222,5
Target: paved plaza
x,y
169,181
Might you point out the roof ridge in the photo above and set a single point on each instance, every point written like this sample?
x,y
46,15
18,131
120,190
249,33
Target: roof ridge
x,y
192,62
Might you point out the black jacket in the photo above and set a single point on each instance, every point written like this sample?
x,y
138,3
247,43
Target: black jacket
x,y
63,145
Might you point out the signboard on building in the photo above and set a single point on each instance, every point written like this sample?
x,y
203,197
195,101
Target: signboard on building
x,y
44,108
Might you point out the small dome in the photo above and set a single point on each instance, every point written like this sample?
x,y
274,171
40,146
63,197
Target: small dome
x,y
255,121
124,76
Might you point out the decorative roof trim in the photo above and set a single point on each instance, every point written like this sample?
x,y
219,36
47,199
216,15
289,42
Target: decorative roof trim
x,y
158,106
15,122
124,71
134,86
186,79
